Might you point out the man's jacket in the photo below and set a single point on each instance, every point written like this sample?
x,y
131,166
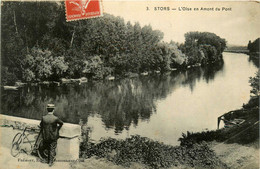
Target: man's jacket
x,y
50,126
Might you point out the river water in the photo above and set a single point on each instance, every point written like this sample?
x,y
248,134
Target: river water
x,y
161,107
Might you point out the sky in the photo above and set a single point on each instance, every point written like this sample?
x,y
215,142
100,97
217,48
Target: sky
x,y
237,26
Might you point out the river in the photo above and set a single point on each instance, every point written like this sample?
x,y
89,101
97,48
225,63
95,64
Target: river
x,y
160,107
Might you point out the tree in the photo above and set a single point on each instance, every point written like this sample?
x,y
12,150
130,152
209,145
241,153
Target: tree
x,y
254,46
94,68
203,47
41,65
254,83
41,45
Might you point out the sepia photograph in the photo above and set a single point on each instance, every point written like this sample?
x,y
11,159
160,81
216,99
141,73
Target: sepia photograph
x,y
122,84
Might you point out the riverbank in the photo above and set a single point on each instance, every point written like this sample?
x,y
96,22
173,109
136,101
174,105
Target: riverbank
x,y
238,51
83,80
245,133
232,155
36,97
152,154
234,147
254,56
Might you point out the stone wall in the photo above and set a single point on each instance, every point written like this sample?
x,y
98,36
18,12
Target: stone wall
x,y
68,143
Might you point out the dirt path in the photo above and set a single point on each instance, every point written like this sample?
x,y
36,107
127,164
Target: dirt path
x,y
237,156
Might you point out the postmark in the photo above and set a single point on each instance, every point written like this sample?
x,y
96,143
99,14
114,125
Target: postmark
x,y
83,9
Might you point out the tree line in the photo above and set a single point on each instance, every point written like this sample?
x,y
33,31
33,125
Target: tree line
x,y
254,46
38,44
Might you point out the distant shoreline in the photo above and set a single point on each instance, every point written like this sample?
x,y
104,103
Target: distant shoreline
x,y
238,51
81,80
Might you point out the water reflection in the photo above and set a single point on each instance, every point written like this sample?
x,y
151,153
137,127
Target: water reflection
x,y
206,74
254,60
119,104
160,107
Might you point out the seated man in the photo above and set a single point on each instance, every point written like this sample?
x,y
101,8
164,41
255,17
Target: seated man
x,y
50,125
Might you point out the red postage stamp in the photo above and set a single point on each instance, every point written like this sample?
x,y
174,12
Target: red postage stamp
x,y
83,9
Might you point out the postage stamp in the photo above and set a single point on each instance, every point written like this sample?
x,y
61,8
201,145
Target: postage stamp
x,y
83,9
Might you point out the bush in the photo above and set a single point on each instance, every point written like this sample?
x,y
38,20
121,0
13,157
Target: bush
x,y
254,83
40,65
7,78
93,68
151,153
28,75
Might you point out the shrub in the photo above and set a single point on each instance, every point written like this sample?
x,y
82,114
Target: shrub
x,y
151,153
254,83
7,78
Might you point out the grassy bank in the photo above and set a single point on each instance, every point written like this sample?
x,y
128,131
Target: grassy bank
x,y
153,154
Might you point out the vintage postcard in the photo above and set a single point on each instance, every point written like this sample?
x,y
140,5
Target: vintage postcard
x,y
102,84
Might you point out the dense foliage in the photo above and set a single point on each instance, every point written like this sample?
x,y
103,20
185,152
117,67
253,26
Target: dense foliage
x,y
254,83
254,49
38,44
203,47
151,153
254,46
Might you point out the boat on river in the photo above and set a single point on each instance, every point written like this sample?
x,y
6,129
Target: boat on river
x,y
64,80
20,84
10,87
233,123
230,120
144,73
110,78
83,80
56,83
173,69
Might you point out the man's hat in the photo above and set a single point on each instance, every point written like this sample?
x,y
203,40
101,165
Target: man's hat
x,y
50,106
